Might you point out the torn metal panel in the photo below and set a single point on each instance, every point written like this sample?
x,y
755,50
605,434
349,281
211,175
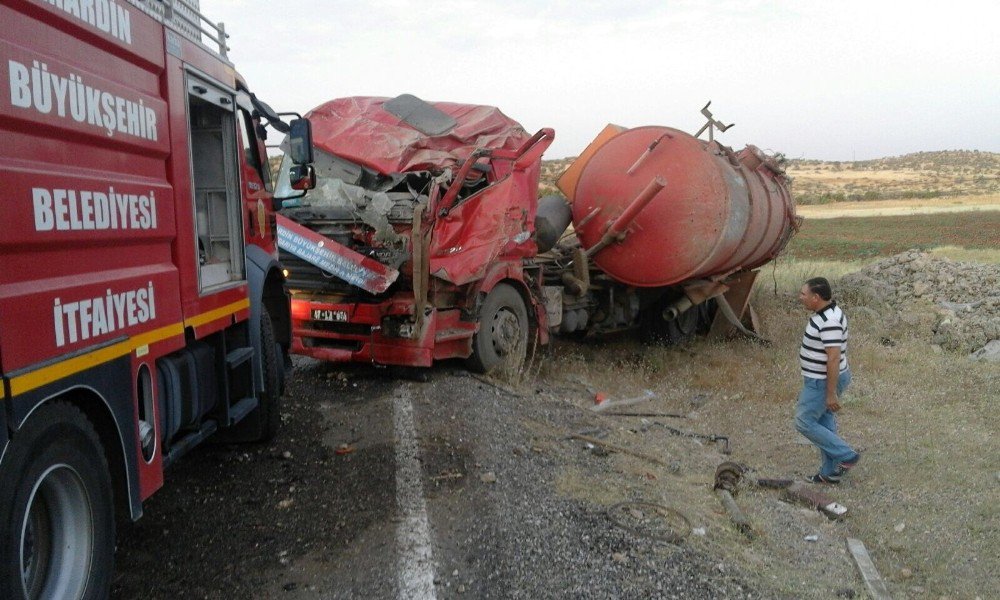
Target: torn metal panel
x,y
471,237
340,261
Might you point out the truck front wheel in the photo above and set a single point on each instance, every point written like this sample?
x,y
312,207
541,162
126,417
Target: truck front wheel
x,y
57,531
503,331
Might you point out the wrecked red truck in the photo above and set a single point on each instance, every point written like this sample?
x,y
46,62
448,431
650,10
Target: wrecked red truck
x,y
425,238
417,243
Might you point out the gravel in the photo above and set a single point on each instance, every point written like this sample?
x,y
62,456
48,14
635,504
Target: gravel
x,y
293,519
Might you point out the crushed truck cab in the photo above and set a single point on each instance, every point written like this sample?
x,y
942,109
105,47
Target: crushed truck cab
x,y
415,245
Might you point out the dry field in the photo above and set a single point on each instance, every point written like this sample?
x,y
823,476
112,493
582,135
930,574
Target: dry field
x,y
924,499
900,207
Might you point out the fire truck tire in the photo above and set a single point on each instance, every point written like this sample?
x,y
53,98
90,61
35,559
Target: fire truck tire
x,y
503,330
57,535
270,397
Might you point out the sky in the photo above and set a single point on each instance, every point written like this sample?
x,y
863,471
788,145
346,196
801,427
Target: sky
x,y
830,79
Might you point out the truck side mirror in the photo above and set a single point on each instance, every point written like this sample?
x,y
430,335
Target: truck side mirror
x,y
300,142
302,177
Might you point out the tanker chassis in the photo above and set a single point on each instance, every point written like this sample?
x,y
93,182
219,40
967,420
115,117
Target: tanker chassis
x,y
142,306
426,239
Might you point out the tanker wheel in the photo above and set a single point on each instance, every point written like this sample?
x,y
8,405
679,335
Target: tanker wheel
x,y
503,331
58,531
272,364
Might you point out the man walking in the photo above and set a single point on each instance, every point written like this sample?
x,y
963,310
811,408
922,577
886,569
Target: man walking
x,y
825,375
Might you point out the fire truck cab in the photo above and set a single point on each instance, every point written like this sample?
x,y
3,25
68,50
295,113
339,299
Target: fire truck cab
x,y
142,305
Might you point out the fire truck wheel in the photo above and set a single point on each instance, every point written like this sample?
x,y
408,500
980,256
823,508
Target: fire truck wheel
x,y
58,531
270,398
503,330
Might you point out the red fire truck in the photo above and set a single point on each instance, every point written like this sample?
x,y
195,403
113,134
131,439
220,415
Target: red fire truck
x,y
142,307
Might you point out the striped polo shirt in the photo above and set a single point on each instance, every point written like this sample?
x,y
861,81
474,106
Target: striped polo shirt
x,y
826,328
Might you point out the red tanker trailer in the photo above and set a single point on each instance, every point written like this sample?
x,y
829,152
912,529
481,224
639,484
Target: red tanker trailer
x,y
666,226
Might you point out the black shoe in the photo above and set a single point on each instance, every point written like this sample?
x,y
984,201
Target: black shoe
x,y
827,479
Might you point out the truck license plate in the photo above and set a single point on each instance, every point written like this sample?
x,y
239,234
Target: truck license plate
x,y
323,314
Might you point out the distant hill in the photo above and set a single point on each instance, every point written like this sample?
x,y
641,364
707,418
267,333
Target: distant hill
x,y
916,175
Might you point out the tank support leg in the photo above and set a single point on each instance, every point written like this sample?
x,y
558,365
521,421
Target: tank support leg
x,y
738,300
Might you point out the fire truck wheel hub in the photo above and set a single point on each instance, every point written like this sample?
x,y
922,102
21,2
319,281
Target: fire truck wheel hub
x,y
57,535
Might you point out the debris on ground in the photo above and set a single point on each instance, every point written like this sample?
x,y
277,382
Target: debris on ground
x,y
727,479
873,581
601,401
614,448
798,492
956,303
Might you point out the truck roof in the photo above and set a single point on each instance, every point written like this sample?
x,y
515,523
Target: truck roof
x,y
364,130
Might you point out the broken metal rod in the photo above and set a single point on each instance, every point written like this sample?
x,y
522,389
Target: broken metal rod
x,y
701,436
614,448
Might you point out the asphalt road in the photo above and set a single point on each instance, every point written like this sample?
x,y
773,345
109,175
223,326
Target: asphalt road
x,y
383,486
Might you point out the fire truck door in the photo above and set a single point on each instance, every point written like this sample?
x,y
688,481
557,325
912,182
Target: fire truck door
x,y
214,163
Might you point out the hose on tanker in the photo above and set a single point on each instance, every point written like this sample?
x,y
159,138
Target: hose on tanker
x,y
730,315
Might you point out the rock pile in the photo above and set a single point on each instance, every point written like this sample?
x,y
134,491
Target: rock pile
x,y
959,302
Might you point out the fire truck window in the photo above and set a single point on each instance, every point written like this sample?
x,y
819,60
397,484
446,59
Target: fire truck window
x,y
217,202
251,150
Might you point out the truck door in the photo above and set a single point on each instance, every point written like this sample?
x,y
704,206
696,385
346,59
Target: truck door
x,y
214,170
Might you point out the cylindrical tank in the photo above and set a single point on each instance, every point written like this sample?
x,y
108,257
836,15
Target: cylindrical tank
x,y
719,212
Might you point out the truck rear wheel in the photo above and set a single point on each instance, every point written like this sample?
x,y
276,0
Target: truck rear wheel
x,y
270,397
57,531
503,330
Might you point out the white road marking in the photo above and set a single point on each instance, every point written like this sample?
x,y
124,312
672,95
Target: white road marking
x,y
413,535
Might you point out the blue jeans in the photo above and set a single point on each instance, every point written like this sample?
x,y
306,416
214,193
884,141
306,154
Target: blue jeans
x,y
819,425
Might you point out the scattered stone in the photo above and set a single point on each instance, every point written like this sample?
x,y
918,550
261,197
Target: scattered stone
x,y
286,503
286,455
619,557
964,297
905,573
811,538
461,589
700,531
899,527
989,353
488,477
